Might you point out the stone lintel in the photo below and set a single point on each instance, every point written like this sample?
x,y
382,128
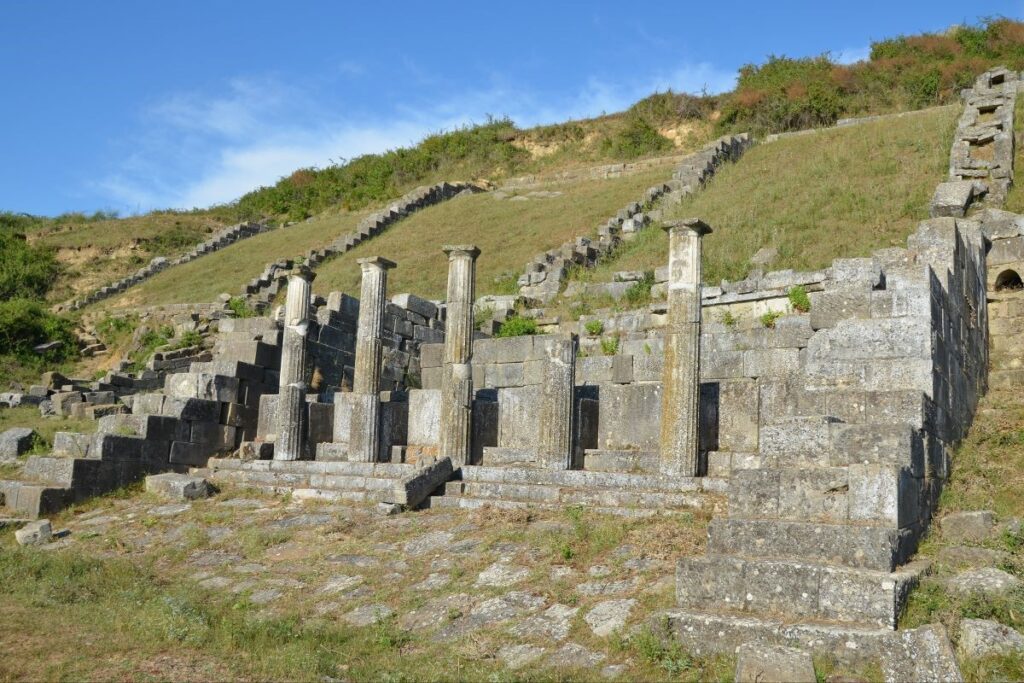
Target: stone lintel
x,y
302,271
379,261
460,250
693,224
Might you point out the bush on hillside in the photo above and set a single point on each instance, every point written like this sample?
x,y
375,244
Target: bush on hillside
x,y
906,72
25,271
372,178
638,138
25,324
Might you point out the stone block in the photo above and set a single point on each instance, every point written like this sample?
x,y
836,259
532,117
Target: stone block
x,y
519,417
62,402
191,454
191,409
754,494
415,304
971,526
770,362
500,375
765,663
738,415
431,355
17,441
593,370
952,199
883,494
710,582
814,494
424,417
71,444
39,532
984,638
630,417
830,307
178,486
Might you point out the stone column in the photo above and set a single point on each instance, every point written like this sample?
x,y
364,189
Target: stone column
x,y
556,423
680,398
457,372
291,411
364,437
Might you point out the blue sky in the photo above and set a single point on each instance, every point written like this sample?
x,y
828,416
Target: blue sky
x,y
134,105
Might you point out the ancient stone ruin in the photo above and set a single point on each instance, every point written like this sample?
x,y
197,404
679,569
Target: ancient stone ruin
x,y
821,443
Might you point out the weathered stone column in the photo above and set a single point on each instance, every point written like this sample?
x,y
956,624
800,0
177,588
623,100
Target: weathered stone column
x,y
364,437
457,372
291,411
680,398
558,383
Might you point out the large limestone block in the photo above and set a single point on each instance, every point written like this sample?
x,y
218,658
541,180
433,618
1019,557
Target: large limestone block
x,y
968,526
34,533
178,486
16,441
981,638
761,663
952,199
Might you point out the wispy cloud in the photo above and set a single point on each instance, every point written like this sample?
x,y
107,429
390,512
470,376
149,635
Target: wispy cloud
x,y
851,55
195,149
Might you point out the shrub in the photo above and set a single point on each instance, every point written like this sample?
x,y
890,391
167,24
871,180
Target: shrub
x,y
25,324
240,308
517,326
639,292
799,299
594,327
636,139
728,319
610,346
769,318
26,272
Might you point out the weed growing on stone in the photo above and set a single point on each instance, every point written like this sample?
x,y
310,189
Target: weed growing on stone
x,y
610,346
594,327
768,319
799,299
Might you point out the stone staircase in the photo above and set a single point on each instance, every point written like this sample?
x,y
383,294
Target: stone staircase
x,y
336,481
477,486
207,411
814,549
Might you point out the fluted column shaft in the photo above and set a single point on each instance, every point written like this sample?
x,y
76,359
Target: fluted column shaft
x,y
364,437
291,414
680,402
457,371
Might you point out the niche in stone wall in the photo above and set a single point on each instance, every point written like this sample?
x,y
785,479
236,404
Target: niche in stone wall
x,y
1009,280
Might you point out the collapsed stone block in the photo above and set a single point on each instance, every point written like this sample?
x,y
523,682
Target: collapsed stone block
x,y
178,486
16,441
34,533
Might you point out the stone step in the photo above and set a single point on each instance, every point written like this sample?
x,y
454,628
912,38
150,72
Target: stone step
x,y
564,496
467,503
864,547
400,483
585,479
864,494
33,500
795,590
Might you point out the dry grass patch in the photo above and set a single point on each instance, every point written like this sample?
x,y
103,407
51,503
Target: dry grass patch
x,y
835,193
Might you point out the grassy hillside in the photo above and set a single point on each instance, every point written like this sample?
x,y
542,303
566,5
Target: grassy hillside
x,y
509,232
230,268
94,253
842,192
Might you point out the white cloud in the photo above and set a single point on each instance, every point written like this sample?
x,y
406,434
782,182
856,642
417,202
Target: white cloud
x,y
851,55
196,150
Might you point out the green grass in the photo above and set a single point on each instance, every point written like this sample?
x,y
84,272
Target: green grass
x,y
509,233
28,416
837,193
987,474
229,269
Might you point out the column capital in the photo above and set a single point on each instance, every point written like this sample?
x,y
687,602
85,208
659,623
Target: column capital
x,y
378,262
694,225
302,271
453,250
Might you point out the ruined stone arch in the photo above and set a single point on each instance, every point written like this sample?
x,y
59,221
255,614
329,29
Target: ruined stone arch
x,y
1009,279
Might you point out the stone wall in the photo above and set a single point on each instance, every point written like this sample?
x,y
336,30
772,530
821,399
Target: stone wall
x,y
981,160
218,241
